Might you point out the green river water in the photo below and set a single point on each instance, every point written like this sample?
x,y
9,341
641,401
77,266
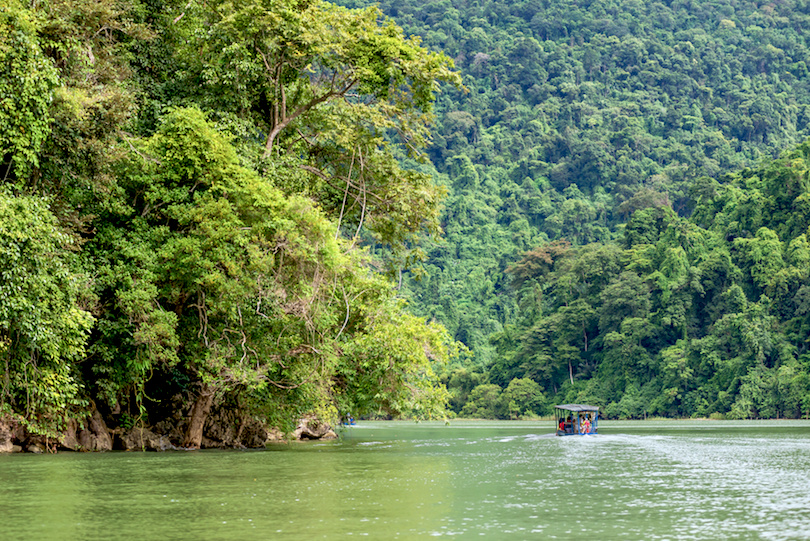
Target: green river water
x,y
399,480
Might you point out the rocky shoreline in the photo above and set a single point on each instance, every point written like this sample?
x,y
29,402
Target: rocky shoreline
x,y
224,429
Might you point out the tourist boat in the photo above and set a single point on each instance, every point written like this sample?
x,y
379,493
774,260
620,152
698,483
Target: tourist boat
x,y
576,419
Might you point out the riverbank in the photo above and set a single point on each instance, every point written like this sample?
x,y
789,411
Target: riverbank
x,y
224,428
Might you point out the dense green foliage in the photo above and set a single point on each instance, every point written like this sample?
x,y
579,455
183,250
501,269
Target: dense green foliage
x,y
186,191
26,80
695,316
43,329
578,115
208,200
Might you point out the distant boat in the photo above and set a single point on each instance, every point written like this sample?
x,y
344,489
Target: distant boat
x,y
576,419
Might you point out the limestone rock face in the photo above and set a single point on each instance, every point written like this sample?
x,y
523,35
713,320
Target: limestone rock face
x,y
35,447
6,436
227,428
96,436
143,439
90,435
70,438
256,434
171,428
274,435
221,429
311,428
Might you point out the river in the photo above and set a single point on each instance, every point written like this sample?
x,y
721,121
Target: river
x,y
663,480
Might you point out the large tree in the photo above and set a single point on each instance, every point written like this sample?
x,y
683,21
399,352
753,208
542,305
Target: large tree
x,y
188,201
210,275
335,92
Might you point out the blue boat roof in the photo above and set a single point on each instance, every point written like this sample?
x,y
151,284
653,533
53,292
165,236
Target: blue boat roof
x,y
577,407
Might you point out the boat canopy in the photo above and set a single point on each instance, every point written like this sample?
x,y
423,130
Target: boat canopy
x,y
577,407
576,419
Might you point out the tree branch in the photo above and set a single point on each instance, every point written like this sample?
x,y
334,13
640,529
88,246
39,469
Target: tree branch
x,y
317,172
279,125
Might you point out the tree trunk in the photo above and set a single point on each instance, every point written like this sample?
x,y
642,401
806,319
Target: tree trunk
x,y
196,422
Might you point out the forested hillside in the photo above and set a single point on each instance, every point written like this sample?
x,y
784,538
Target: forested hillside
x,y
209,206
579,114
185,186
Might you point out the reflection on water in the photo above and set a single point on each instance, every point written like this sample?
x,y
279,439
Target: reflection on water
x,y
669,480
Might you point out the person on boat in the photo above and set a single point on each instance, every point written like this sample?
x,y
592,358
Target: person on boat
x,y
569,425
585,427
561,426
